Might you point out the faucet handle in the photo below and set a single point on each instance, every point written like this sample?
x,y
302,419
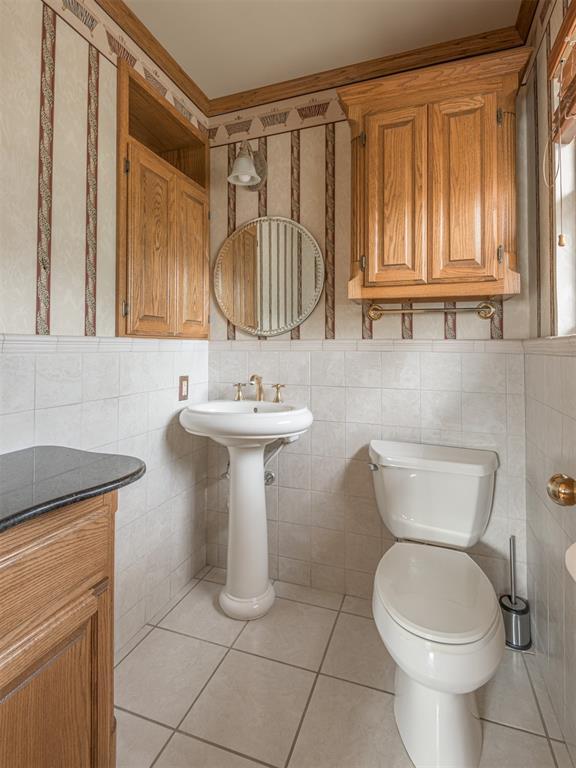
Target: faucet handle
x,y
278,395
239,395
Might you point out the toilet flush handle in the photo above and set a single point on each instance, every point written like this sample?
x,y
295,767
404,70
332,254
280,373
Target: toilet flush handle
x,y
373,467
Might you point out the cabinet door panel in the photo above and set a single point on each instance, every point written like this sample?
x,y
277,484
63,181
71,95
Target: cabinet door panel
x,y
396,164
463,177
193,270
151,207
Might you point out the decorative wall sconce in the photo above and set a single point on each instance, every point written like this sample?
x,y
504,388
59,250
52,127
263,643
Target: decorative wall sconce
x,y
249,169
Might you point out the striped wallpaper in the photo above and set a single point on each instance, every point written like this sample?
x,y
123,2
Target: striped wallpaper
x,y
57,213
58,158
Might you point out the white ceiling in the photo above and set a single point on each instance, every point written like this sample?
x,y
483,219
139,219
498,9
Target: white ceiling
x,y
234,45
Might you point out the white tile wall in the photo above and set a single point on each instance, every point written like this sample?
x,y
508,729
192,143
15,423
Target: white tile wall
x,y
325,529
120,395
551,448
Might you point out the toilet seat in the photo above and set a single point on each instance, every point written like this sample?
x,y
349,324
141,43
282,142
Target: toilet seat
x,y
437,594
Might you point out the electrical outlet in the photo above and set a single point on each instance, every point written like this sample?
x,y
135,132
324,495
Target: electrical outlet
x,y
183,388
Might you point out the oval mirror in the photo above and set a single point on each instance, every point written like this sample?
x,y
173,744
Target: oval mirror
x,y
268,276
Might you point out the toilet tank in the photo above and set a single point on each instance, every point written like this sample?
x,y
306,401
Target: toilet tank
x,y
433,493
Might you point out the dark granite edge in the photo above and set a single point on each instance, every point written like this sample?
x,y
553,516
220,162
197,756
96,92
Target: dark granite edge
x,y
66,500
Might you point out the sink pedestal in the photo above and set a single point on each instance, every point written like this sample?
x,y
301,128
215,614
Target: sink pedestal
x,y
248,593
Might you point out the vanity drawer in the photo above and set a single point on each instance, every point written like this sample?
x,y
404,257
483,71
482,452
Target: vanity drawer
x,y
45,562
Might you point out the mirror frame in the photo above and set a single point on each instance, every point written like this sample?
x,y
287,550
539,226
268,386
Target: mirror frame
x,y
319,276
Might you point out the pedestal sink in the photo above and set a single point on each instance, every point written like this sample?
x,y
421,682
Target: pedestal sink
x,y
245,427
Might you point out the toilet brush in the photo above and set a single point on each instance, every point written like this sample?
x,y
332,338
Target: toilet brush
x,y
515,610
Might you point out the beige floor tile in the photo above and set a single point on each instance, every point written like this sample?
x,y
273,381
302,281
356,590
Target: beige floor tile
x,y
253,706
165,610
506,748
508,697
308,595
163,675
188,752
292,632
358,606
216,575
347,726
548,713
200,615
562,755
122,652
137,741
357,653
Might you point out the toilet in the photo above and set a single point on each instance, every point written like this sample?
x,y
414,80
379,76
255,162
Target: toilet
x,y
435,609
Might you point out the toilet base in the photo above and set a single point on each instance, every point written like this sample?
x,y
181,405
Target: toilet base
x,y
439,730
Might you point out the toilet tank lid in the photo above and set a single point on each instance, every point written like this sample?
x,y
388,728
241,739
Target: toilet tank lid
x,y
433,458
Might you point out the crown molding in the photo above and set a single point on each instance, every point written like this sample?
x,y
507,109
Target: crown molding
x,y
525,18
439,53
139,32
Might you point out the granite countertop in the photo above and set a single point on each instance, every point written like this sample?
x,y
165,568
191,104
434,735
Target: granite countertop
x,y
36,480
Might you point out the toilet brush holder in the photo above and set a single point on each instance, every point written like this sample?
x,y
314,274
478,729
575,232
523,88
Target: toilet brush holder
x,y
515,610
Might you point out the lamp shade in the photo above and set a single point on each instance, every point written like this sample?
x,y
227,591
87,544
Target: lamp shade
x,y
244,171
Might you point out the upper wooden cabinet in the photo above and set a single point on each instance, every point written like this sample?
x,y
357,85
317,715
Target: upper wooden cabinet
x,y
163,262
433,181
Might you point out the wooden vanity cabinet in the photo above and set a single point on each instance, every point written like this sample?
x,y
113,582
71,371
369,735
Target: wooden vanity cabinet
x,y
433,178
56,643
163,270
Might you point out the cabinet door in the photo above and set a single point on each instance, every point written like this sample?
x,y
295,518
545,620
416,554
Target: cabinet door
x,y
463,178
56,690
396,148
192,265
151,268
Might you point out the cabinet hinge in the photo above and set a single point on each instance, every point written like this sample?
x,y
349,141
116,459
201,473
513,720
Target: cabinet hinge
x,y
363,263
362,138
499,116
500,254
125,308
126,165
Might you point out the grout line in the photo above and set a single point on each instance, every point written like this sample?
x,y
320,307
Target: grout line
x,y
312,689
155,623
540,712
195,637
144,717
200,692
225,749
134,648
355,682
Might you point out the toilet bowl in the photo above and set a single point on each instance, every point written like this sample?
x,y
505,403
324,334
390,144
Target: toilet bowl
x,y
435,609
438,616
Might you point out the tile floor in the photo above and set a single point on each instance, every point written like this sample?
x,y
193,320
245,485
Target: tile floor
x,y
310,685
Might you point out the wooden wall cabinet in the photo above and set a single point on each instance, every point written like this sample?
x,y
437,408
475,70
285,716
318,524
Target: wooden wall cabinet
x,y
163,273
56,648
433,181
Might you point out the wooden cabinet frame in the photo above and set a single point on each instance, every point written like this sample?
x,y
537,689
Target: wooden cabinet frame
x,y
56,644
147,120
495,78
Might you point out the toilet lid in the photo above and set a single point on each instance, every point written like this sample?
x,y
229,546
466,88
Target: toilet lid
x,y
436,593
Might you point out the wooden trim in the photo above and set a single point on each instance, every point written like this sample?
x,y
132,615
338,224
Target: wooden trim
x,y
490,72
525,17
135,29
439,53
567,30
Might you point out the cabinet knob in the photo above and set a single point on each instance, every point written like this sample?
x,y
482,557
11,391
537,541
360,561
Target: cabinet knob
x,y
562,490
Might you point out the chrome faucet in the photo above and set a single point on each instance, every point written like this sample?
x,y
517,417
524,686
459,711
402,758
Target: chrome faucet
x,y
257,382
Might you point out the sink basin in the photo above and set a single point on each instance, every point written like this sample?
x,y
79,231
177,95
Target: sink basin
x,y
245,427
245,421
